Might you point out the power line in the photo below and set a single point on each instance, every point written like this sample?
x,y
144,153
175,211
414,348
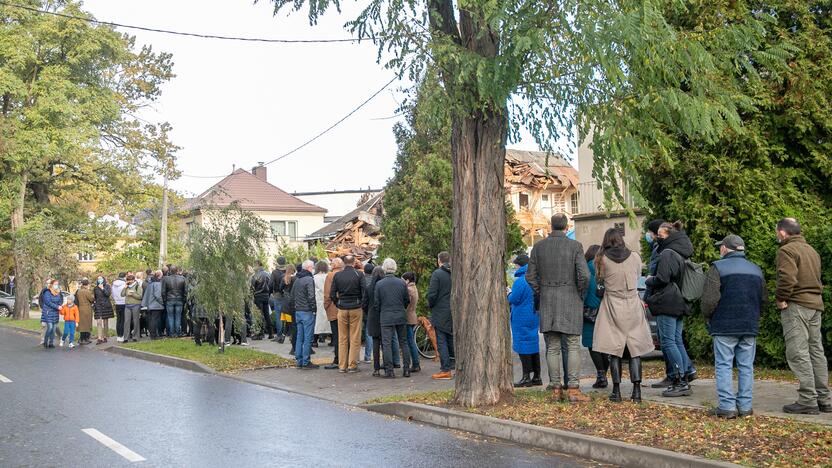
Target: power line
x,y
309,141
176,33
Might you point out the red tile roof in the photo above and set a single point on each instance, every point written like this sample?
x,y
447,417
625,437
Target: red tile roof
x,y
252,194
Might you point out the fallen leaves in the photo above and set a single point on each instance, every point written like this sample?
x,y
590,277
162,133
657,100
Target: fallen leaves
x,y
755,441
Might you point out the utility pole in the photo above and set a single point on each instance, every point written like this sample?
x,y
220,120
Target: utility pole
x,y
163,235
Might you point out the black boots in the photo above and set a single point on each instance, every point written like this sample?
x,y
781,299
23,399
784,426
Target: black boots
x,y
602,363
615,373
635,378
537,381
526,381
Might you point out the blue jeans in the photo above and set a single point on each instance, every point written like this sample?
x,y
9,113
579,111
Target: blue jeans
x,y
368,342
445,343
277,307
174,317
411,343
673,348
69,331
305,322
49,336
726,348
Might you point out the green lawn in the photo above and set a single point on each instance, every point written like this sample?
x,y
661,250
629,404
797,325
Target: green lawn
x,y
34,324
235,358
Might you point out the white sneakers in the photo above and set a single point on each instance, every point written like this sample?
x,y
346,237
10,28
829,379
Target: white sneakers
x,y
120,339
71,345
61,343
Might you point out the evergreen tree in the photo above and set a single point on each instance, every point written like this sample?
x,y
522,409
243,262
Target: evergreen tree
x,y
777,163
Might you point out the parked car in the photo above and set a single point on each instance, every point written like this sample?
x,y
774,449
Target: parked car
x,y
6,304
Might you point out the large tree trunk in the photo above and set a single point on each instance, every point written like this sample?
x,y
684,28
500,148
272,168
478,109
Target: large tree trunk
x,y
481,318
22,280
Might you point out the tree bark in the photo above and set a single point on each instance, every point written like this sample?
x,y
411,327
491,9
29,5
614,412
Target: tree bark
x,y
22,280
478,294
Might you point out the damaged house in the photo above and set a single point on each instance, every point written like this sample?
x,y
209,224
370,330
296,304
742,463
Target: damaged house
x,y
357,233
537,188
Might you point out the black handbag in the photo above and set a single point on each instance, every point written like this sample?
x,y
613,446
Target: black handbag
x,y
590,314
600,289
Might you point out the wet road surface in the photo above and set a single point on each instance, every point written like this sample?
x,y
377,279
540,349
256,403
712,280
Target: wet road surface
x,y
170,417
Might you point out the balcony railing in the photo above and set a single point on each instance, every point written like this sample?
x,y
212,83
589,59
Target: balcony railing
x,y
592,199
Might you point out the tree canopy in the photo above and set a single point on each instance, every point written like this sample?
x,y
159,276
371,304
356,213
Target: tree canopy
x,y
71,138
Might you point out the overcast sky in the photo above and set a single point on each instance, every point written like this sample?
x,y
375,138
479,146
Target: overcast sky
x,y
241,102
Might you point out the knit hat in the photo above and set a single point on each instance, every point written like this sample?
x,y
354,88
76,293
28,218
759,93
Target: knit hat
x,y
653,226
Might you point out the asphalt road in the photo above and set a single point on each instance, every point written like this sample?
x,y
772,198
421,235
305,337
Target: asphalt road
x,y
170,417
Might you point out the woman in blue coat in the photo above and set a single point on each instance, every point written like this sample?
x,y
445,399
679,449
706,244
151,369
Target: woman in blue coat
x,y
50,301
525,325
591,304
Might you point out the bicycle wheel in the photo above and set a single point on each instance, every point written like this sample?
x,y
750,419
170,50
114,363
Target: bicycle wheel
x,y
423,343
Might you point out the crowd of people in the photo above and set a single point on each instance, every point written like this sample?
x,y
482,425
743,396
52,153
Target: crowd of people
x,y
362,306
573,297
592,298
151,303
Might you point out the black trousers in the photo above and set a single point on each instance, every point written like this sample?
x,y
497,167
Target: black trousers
x,y
376,353
387,333
531,364
268,326
119,319
333,326
155,324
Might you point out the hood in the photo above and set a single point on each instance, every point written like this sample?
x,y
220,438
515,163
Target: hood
x,y
618,254
302,274
446,267
679,242
521,271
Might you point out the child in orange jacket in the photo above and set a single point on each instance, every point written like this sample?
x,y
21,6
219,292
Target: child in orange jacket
x,y
70,313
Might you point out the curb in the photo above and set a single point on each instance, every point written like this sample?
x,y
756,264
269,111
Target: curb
x,y
570,443
161,359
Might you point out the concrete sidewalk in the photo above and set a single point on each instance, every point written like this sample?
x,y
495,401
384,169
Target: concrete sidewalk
x,y
354,389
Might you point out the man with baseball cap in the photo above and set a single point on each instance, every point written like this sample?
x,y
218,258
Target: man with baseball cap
x,y
733,298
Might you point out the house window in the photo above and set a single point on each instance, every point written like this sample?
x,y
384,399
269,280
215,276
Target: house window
x,y
85,257
574,202
524,201
546,204
285,229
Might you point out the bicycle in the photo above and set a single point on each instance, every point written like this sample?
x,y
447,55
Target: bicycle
x,y
425,337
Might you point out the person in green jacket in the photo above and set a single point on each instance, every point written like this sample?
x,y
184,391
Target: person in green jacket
x,y
132,294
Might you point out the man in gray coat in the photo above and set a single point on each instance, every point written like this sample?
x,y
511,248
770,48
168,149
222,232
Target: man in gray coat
x,y
559,277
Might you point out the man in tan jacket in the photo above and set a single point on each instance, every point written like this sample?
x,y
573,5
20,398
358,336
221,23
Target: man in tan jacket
x,y
331,309
799,298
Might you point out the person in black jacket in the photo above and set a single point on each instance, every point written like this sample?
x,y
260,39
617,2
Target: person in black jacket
x,y
373,318
278,300
366,282
261,290
173,291
669,306
303,297
347,293
391,298
439,302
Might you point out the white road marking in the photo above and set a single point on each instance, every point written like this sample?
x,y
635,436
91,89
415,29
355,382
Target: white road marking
x,y
116,447
5,379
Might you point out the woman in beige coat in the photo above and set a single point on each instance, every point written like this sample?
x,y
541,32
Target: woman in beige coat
x,y
621,323
85,300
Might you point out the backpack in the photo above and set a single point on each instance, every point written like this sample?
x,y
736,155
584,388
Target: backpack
x,y
691,279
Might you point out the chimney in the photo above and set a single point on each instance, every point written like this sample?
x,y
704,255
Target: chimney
x,y
260,172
